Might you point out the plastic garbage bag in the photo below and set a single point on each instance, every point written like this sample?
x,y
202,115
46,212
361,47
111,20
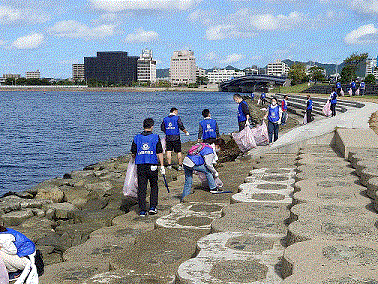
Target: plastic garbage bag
x,y
130,187
358,92
260,134
342,93
163,144
203,179
244,139
305,119
4,278
350,92
327,109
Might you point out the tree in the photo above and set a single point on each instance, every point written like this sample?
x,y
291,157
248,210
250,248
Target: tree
x,y
297,73
202,80
351,64
316,73
370,79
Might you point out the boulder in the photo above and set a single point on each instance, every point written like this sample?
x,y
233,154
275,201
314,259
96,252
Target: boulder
x,y
103,217
62,210
50,192
15,218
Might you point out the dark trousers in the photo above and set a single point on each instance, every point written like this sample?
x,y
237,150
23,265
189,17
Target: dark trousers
x,y
144,175
273,131
209,140
333,109
309,115
241,125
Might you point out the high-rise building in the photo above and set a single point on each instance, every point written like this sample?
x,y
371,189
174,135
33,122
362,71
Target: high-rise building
x,y
33,75
278,68
220,75
12,76
371,67
78,73
183,67
200,72
114,67
146,67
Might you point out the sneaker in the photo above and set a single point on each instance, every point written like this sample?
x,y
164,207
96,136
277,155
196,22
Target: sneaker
x,y
215,190
142,213
152,211
180,168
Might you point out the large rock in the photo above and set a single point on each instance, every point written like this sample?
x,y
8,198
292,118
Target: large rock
x,y
51,193
103,217
15,218
125,276
78,233
62,210
372,188
367,174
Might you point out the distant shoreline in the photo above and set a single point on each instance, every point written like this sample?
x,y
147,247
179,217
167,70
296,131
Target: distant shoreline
x,y
79,88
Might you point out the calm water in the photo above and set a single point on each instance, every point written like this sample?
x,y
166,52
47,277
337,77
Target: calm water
x,y
43,136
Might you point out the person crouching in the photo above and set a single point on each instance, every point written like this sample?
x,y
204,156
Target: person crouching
x,y
201,158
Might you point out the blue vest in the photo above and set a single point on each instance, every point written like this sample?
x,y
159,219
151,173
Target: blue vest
x,y
334,98
338,85
252,96
262,96
353,85
362,85
274,114
146,149
198,159
209,127
241,116
309,104
24,246
284,105
171,125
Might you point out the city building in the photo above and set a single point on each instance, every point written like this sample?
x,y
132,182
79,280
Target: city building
x,y
78,73
146,67
200,72
33,75
12,76
220,75
114,67
251,71
183,67
371,67
278,68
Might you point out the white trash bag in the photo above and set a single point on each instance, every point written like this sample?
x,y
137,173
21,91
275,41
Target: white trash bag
x,y
244,139
130,187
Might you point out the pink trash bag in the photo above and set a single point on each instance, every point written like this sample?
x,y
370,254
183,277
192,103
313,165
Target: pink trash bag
x,y
130,187
260,133
203,179
244,139
305,119
163,144
342,93
327,109
4,278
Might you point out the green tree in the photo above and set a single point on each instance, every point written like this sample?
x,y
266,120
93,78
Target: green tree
x,y
351,65
316,73
10,81
202,80
297,73
370,79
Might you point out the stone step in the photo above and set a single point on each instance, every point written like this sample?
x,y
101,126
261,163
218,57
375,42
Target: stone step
x,y
316,160
326,261
232,257
317,149
372,188
326,171
125,276
367,174
363,164
357,155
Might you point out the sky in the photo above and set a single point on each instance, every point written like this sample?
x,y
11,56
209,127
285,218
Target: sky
x,y
52,35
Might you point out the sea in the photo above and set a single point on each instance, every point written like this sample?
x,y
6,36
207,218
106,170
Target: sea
x,y
44,135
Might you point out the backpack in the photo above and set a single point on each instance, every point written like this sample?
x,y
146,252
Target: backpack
x,y
196,149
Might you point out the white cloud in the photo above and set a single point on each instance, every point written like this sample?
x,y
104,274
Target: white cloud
x,y
2,42
211,56
9,15
73,29
365,6
140,35
121,5
203,16
363,34
223,31
232,58
29,42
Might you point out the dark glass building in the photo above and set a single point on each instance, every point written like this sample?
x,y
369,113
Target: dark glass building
x,y
114,67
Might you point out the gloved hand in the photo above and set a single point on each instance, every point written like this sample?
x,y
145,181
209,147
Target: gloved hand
x,y
162,170
216,174
247,123
187,133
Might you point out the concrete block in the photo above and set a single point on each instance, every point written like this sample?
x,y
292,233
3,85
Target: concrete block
x,y
366,164
372,188
367,174
232,257
362,154
125,276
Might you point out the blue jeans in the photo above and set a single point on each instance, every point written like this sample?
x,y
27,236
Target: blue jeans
x,y
189,178
273,131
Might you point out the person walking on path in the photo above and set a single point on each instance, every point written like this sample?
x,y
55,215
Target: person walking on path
x,y
362,87
333,100
353,87
338,88
148,152
273,114
201,158
263,98
171,126
243,112
284,110
208,128
309,117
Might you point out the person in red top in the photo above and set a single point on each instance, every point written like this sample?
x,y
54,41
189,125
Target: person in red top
x,y
284,110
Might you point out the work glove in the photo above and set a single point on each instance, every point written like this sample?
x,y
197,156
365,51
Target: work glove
x,y
247,123
187,133
216,174
162,170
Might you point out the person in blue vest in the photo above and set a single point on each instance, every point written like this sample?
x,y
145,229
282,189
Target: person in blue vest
x,y
273,114
284,110
208,128
362,87
16,251
338,88
353,87
202,160
252,96
171,126
263,98
309,109
333,101
148,152
243,112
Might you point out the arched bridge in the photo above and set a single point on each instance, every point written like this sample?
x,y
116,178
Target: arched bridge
x,y
251,83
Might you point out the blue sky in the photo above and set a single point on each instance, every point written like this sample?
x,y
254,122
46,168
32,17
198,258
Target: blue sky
x,y
51,35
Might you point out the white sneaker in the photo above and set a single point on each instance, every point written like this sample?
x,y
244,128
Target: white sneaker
x,y
180,168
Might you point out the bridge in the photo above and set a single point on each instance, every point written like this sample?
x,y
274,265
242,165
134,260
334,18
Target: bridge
x,y
251,83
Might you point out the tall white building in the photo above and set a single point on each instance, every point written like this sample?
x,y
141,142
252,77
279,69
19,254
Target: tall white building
x,y
220,75
78,72
146,67
371,67
278,68
200,72
183,67
33,75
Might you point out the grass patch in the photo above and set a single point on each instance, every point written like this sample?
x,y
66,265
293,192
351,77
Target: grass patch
x,y
292,89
